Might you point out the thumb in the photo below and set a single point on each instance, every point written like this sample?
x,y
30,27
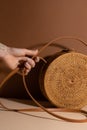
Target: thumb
x,y
31,52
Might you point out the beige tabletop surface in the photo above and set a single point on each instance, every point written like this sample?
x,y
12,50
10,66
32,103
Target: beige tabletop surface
x,y
33,120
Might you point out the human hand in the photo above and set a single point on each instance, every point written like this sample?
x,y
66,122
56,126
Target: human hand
x,y
15,55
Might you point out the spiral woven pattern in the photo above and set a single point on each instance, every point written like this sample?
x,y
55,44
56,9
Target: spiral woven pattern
x,y
65,80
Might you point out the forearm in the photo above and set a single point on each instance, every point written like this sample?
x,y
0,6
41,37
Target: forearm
x,y
3,50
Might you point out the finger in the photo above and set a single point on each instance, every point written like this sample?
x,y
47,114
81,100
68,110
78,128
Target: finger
x,y
29,60
37,59
28,66
31,52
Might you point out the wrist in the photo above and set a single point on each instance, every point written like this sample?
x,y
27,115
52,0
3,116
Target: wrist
x,y
3,51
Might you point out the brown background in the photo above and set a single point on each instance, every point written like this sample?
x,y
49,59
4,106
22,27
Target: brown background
x,y
28,22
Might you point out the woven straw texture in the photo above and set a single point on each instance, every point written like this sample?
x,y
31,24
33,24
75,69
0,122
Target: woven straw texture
x,y
65,80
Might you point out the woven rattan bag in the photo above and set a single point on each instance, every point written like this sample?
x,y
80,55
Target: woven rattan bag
x,y
63,80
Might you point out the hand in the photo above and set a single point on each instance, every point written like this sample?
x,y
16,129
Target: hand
x,y
15,55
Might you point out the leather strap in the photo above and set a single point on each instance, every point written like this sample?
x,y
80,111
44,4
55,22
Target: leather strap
x,y
40,107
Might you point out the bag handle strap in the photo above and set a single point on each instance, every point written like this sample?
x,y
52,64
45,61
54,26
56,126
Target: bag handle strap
x,y
61,38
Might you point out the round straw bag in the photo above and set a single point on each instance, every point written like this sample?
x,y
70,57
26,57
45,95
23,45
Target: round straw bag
x,y
63,79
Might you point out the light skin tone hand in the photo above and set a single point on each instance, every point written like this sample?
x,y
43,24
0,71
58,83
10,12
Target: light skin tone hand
x,y
13,56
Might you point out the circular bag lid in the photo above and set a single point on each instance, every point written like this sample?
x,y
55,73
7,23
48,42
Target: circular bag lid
x,y
65,80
